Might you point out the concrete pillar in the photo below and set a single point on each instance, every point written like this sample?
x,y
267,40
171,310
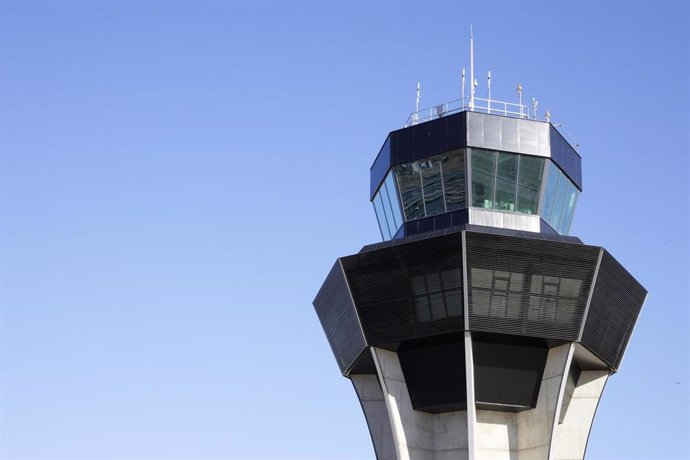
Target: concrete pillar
x,y
374,407
400,432
418,435
572,435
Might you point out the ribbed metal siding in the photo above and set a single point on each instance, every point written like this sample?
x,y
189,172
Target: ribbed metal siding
x,y
338,318
381,284
616,303
531,258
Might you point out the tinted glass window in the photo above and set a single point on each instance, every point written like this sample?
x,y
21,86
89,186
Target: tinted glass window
x,y
453,167
552,179
392,226
529,184
381,217
431,185
506,182
483,167
393,197
410,181
568,208
558,201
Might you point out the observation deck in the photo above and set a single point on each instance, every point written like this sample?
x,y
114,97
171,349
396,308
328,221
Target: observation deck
x,y
482,162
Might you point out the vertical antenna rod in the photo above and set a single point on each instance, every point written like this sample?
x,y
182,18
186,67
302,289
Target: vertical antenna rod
x,y
418,97
471,69
488,83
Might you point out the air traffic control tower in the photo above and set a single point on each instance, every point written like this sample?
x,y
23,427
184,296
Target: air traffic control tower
x,y
479,328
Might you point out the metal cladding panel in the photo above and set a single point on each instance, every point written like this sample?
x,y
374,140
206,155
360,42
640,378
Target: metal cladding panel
x,y
495,132
437,222
565,157
380,167
528,287
417,142
496,363
338,317
616,303
408,291
435,376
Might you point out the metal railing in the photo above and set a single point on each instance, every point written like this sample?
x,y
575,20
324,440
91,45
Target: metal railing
x,y
489,106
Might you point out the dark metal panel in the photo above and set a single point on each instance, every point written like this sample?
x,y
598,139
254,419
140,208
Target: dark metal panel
x,y
336,312
403,152
435,376
527,286
457,130
380,167
388,306
613,311
420,140
507,371
438,136
565,156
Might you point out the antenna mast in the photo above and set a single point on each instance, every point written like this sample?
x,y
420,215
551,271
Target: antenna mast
x,y
471,69
418,97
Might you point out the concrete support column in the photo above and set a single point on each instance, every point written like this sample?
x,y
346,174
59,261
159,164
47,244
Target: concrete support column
x,y
417,435
570,440
374,407
535,426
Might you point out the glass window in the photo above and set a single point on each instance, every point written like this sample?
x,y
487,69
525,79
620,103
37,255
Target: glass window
x,y
552,179
529,184
558,201
568,208
431,185
392,227
410,181
393,197
381,217
453,167
506,181
438,295
483,167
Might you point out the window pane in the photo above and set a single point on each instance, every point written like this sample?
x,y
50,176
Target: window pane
x,y
506,182
433,282
552,177
393,197
392,227
568,208
483,163
558,202
529,184
453,166
381,217
453,302
438,309
409,179
451,278
431,183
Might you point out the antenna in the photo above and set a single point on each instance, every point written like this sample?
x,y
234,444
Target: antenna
x,y
473,82
519,90
535,104
463,86
488,85
548,115
418,98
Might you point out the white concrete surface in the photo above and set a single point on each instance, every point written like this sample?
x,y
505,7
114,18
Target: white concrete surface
x,y
572,435
375,411
400,432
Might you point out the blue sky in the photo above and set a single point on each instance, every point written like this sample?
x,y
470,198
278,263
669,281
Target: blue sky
x,y
178,177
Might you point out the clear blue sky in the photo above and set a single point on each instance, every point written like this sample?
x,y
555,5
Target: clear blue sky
x,y
178,177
